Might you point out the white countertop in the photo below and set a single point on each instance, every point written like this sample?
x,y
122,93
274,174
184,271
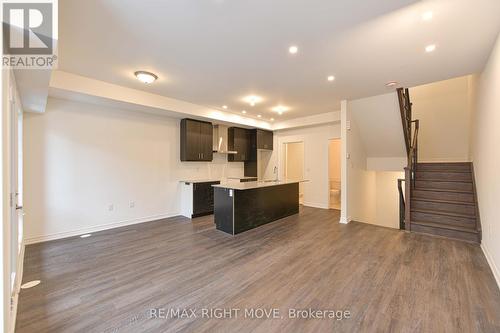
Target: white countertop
x,y
199,180
258,184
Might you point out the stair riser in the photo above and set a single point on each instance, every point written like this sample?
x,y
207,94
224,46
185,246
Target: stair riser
x,y
465,167
444,207
453,176
452,196
455,234
444,219
443,185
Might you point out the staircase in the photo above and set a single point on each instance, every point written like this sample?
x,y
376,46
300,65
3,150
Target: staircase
x,y
439,198
443,201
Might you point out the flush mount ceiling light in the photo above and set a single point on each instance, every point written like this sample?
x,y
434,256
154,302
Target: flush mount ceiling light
x,y
427,16
391,84
146,77
331,78
430,48
243,112
224,107
293,49
272,119
280,109
259,116
252,99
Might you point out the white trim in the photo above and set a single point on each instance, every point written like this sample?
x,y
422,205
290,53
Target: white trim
x,y
72,233
315,205
494,268
345,220
17,288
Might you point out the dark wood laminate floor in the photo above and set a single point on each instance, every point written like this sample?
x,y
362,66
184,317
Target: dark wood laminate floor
x,y
388,280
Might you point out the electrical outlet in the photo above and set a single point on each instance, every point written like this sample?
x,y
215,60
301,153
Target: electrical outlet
x,y
131,204
111,207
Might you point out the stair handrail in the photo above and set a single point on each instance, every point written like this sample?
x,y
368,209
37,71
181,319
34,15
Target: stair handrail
x,y
410,131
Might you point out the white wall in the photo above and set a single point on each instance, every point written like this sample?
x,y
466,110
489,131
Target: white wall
x,y
378,119
373,195
315,138
82,158
361,182
444,109
486,157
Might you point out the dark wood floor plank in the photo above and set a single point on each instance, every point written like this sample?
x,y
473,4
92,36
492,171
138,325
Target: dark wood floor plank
x,y
389,280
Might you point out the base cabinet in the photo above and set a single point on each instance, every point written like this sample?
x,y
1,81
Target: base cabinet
x,y
203,198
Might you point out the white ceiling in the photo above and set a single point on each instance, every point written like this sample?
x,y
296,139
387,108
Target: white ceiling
x,y
214,52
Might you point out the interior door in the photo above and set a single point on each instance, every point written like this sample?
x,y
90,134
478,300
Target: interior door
x,y
16,195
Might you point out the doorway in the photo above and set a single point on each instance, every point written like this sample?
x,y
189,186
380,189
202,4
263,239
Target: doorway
x,y
334,177
294,164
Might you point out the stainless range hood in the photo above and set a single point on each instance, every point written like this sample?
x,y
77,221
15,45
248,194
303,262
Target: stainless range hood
x,y
220,140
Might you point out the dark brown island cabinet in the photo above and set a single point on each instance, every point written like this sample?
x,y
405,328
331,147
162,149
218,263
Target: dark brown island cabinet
x,y
196,140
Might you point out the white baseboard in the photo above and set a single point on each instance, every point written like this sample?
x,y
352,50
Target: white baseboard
x,y
315,205
345,220
17,288
101,227
494,268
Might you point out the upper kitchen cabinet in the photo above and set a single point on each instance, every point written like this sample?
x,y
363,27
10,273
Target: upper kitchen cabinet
x,y
239,141
196,140
264,139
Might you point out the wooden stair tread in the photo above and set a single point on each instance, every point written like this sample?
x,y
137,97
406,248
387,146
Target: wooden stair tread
x,y
430,189
446,226
455,202
443,212
444,163
443,171
445,181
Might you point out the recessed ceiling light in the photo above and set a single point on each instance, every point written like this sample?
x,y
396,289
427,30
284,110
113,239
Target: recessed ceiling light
x,y
259,116
280,109
427,16
224,106
243,112
145,77
391,84
430,48
252,99
272,119
331,78
293,49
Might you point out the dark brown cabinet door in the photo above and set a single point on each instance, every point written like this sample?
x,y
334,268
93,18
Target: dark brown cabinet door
x,y
239,140
196,140
206,141
264,139
203,198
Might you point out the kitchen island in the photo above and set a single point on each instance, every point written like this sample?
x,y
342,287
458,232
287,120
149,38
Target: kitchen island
x,y
239,207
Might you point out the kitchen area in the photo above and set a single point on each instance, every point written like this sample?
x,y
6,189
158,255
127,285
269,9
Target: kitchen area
x,y
239,203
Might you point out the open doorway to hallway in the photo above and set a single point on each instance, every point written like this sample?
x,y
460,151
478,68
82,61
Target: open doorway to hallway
x,y
334,173
294,164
